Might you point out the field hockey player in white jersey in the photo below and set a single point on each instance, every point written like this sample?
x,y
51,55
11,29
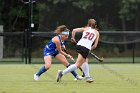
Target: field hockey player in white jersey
x,y
88,41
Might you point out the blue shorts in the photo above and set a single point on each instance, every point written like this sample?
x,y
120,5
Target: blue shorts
x,y
48,52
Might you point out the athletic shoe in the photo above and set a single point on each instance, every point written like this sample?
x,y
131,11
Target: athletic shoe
x,y
36,77
59,76
79,77
89,79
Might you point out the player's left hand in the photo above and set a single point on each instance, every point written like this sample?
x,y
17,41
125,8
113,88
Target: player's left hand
x,y
71,57
73,40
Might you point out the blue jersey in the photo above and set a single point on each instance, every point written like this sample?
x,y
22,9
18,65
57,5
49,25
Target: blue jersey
x,y
50,48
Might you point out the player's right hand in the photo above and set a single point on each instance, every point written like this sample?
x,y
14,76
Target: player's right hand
x,y
71,57
73,40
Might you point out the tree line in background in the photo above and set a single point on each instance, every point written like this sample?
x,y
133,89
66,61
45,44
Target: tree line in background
x,y
111,15
122,15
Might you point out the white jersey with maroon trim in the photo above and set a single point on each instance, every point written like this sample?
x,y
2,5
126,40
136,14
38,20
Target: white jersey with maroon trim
x,y
88,38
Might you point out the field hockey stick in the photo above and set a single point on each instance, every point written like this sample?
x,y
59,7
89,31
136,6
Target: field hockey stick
x,y
95,56
83,75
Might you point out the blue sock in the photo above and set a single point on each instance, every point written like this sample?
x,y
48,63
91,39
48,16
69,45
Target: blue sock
x,y
73,72
41,71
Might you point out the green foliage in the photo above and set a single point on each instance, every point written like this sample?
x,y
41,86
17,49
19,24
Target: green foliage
x,y
129,8
106,26
83,4
54,12
19,11
58,1
1,11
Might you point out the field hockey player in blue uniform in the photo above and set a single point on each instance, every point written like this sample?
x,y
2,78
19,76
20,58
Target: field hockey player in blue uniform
x,y
54,48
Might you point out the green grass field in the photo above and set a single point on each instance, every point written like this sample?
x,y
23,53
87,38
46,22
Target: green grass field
x,y
109,78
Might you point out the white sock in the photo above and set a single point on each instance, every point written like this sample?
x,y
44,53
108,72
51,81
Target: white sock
x,y
85,69
69,69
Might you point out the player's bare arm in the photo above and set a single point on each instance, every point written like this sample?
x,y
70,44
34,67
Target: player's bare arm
x,y
96,40
74,32
58,46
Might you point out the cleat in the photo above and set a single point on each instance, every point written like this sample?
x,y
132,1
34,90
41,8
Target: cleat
x,y
79,77
59,76
89,79
36,77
